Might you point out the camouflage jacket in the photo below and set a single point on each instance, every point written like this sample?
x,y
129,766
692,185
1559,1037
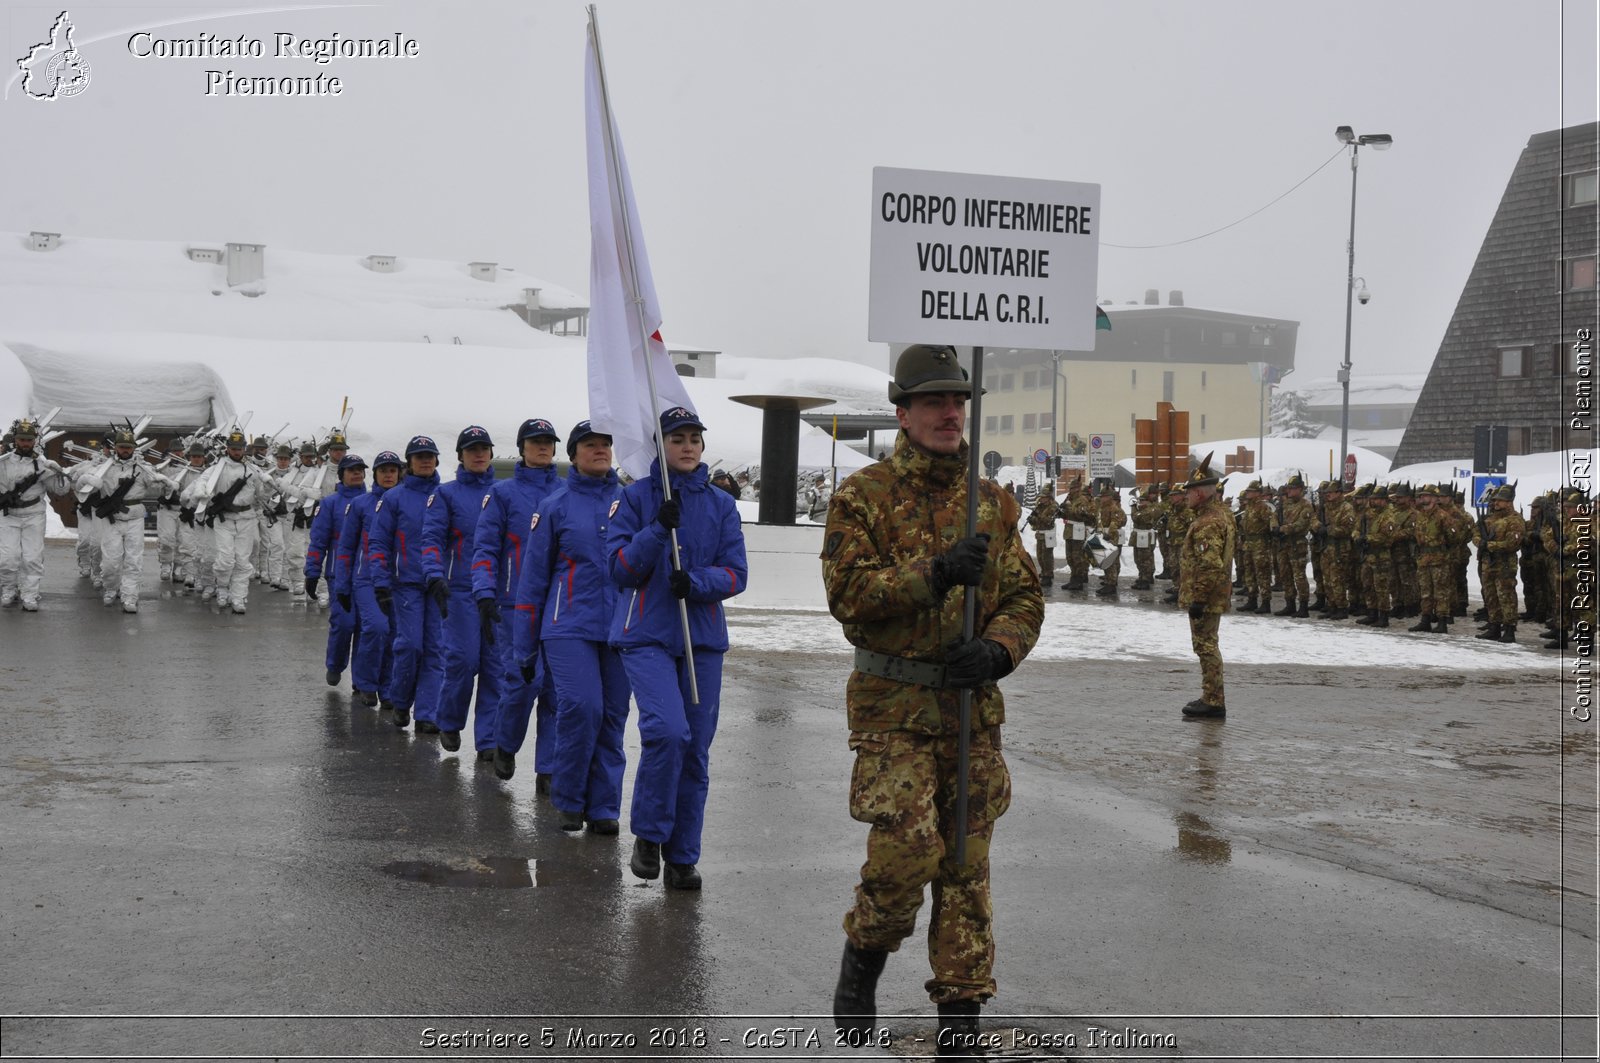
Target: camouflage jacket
x,y
1505,532
1205,573
1342,521
1179,517
1256,520
1431,530
1147,514
886,525
1383,528
1110,518
1299,517
1045,512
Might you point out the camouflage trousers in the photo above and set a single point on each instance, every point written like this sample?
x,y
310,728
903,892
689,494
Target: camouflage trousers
x,y
1332,584
1435,586
1203,636
1262,555
1047,559
1316,570
904,786
1403,577
1245,561
1292,571
1112,569
1144,560
1077,562
1354,586
1168,554
1536,584
1499,575
1377,576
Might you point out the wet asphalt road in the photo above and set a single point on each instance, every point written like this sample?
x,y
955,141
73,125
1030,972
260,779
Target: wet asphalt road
x,y
193,824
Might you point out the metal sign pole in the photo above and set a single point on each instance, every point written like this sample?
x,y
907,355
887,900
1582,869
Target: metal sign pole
x,y
969,620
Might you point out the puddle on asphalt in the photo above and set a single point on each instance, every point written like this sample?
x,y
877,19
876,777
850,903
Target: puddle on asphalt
x,y
492,872
1199,840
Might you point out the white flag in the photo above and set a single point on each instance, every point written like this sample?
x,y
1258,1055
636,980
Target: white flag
x,y
619,394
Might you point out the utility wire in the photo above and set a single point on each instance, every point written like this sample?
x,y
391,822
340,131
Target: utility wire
x,y
1247,217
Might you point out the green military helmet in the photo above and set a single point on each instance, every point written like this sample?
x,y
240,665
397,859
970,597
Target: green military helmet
x,y
235,439
1400,490
197,449
309,447
25,429
1574,496
122,437
261,441
283,450
925,368
336,441
1296,481
1426,490
1362,492
1504,493
1381,491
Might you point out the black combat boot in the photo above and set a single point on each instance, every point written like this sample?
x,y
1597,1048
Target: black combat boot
x,y
1321,604
1481,613
1266,605
1250,604
1370,619
958,1031
1288,607
1508,633
1442,627
1423,626
855,998
1163,574
1339,614
1491,634
1383,618
1302,613
1559,642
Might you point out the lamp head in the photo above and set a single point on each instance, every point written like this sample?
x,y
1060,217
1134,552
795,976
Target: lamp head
x,y
1345,134
1377,141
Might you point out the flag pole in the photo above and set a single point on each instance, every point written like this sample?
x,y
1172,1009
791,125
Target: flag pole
x,y
644,337
969,612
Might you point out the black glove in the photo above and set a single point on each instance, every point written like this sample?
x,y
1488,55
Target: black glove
x,y
667,516
344,601
975,662
488,619
529,666
1197,610
384,596
439,590
961,565
679,582
311,586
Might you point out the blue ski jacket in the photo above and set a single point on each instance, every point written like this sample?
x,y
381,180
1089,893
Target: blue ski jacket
x,y
638,551
353,570
449,525
325,530
503,531
564,591
394,545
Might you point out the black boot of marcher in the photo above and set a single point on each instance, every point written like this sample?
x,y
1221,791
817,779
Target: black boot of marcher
x,y
958,1031
855,998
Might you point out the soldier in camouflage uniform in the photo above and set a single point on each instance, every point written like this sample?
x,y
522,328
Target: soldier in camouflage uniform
x,y
1377,567
893,563
1358,575
1179,517
1043,522
1402,555
1433,528
1164,541
1339,528
1295,519
1078,509
1543,517
1244,556
1319,540
1255,527
1503,530
1204,587
1109,520
1147,510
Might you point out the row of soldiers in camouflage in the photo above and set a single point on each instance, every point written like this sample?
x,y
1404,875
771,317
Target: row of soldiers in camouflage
x,y
1376,553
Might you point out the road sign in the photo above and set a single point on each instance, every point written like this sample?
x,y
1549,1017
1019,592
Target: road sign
x,y
991,462
1041,456
1102,456
1349,470
983,260
1482,484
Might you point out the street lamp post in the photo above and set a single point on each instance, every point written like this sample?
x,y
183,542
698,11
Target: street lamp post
x,y
1378,142
1055,376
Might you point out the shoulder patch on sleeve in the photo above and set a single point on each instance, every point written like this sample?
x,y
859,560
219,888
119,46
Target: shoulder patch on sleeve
x,y
616,503
429,503
485,503
833,543
378,506
534,523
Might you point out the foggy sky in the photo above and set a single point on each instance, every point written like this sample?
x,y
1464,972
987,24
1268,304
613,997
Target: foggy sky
x,y
752,128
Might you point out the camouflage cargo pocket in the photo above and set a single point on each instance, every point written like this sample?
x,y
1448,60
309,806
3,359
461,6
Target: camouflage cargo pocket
x,y
990,796
875,783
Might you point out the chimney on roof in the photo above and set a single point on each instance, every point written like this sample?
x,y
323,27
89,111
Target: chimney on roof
x,y
379,263
246,263
38,241
484,271
1152,297
1175,297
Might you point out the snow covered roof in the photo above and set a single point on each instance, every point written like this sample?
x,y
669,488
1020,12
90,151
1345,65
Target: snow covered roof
x,y
1366,389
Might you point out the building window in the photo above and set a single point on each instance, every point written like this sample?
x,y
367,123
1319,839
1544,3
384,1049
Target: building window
x,y
1578,274
1047,421
1030,422
1007,423
1230,338
1202,378
1030,380
1514,362
1166,386
991,381
1133,422
1519,440
991,423
1008,382
1581,189
1133,378
1202,422
684,370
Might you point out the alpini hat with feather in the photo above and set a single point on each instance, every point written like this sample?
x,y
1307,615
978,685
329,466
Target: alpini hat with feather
x,y
1203,476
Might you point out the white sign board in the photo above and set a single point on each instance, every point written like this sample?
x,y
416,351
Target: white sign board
x,y
1069,462
983,261
1102,456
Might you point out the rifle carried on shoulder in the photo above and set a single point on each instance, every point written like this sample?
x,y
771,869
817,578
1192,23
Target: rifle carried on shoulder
x,y
112,503
13,498
219,503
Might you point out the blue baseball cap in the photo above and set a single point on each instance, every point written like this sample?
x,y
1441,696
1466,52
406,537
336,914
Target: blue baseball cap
x,y
387,457
421,445
536,428
351,461
680,417
471,436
